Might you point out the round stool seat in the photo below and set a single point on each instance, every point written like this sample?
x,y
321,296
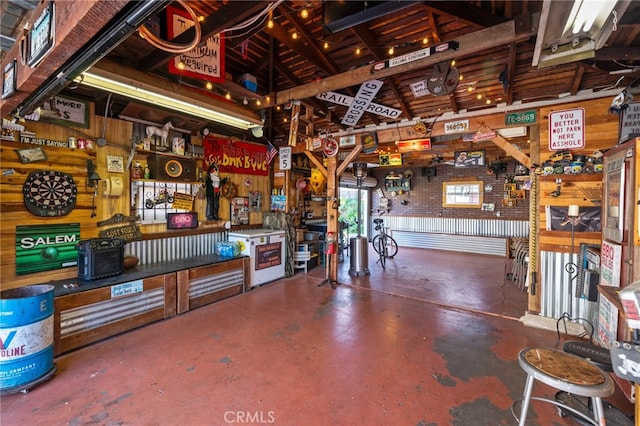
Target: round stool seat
x,y
566,372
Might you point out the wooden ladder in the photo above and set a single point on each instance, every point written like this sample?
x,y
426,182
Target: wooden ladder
x,y
301,125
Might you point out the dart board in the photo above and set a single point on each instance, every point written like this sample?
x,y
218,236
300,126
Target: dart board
x,y
50,193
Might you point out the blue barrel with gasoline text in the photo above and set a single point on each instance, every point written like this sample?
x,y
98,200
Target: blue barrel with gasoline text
x,y
26,337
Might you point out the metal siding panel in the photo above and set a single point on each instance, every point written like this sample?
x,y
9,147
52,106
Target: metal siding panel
x,y
176,248
558,289
460,243
88,317
213,283
458,226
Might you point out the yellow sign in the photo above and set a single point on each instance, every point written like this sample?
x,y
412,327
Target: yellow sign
x,y
182,201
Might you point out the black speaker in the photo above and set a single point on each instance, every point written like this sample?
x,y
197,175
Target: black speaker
x,y
172,168
428,171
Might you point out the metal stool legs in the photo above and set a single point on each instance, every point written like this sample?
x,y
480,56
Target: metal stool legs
x,y
568,373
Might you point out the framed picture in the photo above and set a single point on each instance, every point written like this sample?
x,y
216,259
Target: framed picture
x,y
115,164
240,211
31,155
66,110
9,79
42,35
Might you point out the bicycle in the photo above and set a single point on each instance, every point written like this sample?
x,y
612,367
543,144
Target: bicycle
x,y
383,243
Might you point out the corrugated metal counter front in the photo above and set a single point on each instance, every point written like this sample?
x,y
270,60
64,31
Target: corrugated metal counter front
x,y
89,311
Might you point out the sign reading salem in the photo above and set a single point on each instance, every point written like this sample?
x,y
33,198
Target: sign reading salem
x,y
204,61
236,157
46,247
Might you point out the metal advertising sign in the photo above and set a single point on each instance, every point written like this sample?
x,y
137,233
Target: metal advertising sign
x,y
205,61
566,129
459,126
127,232
42,35
46,247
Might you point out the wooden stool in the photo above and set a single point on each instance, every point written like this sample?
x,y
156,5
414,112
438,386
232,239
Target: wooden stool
x,y
566,372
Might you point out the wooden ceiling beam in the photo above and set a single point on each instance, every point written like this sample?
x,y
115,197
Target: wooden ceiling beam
x,y
475,42
466,13
577,79
511,72
367,38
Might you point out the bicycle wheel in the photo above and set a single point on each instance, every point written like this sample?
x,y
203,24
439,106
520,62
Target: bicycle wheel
x,y
381,250
374,242
392,246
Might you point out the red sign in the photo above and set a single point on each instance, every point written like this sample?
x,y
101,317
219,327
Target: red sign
x,y
414,145
236,157
484,136
205,61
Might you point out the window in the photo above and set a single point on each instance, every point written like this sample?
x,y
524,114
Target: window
x,y
152,200
462,194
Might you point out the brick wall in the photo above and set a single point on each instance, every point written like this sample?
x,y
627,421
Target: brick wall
x,y
425,197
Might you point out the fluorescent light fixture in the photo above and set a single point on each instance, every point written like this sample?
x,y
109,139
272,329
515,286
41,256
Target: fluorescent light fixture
x,y
169,101
587,13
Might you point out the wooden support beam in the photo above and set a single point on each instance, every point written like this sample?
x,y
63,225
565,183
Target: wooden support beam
x,y
511,150
478,41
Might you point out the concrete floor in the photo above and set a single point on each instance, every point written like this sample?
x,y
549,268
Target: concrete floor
x,y
431,340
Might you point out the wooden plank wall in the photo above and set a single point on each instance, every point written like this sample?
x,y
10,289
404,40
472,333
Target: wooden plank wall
x,y
601,131
118,134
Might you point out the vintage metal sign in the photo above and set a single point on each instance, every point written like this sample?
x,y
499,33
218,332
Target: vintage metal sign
x,y
46,247
414,145
42,35
566,129
459,126
484,135
374,108
205,61
128,233
521,117
417,55
630,122
182,201
361,102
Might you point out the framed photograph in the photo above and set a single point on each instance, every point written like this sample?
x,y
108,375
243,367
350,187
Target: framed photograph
x,y
9,79
240,211
115,164
31,155
42,35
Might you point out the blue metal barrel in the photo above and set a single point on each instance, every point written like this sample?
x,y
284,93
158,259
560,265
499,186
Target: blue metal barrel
x,y
26,336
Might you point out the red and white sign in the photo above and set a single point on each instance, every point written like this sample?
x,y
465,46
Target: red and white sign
x,y
414,145
610,264
205,61
566,129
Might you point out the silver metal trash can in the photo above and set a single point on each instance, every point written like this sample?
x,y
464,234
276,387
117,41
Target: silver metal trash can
x,y
359,256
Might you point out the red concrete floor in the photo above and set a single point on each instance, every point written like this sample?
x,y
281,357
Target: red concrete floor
x,y
404,346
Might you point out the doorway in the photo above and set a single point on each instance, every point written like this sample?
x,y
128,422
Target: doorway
x,y
348,211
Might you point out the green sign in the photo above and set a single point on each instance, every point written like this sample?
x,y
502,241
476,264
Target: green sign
x,y
46,247
523,117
